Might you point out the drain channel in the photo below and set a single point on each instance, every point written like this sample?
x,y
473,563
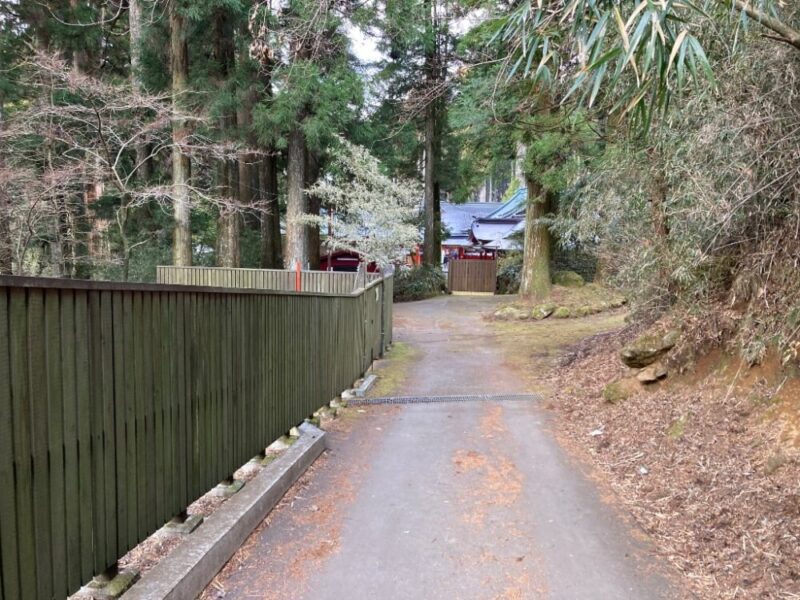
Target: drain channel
x,y
440,399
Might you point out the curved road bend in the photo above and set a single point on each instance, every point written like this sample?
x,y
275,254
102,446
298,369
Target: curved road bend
x,y
446,501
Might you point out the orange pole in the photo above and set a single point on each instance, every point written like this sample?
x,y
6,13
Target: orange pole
x,y
298,284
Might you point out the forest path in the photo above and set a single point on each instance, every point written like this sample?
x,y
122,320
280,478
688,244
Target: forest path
x,y
468,500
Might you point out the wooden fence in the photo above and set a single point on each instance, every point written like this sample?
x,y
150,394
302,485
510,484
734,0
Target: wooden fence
x,y
472,276
323,282
121,404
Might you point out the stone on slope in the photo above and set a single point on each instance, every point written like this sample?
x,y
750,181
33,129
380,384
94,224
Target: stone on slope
x,y
652,373
543,311
648,349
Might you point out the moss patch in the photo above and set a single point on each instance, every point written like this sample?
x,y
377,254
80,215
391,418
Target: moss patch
x,y
619,391
532,347
394,369
568,279
562,312
564,302
678,427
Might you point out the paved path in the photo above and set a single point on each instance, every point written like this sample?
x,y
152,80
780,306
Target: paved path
x,y
445,501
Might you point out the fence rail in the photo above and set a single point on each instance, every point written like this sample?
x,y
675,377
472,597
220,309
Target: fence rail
x,y
121,404
322,282
472,276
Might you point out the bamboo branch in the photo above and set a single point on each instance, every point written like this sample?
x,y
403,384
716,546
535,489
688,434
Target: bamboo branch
x,y
789,35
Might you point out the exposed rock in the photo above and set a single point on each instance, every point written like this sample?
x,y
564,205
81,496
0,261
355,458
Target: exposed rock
x,y
562,312
671,338
281,444
326,415
508,313
568,279
648,349
652,373
618,391
543,311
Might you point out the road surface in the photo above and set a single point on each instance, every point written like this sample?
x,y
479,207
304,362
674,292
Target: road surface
x,y
446,501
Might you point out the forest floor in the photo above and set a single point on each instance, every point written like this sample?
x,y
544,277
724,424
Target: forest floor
x,y
472,500
706,462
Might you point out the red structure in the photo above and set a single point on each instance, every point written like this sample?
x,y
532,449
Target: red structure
x,y
344,261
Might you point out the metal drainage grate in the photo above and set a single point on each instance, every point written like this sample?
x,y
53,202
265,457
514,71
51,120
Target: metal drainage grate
x,y
435,399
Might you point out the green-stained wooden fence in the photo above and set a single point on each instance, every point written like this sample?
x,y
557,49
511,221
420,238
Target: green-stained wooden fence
x,y
121,404
323,282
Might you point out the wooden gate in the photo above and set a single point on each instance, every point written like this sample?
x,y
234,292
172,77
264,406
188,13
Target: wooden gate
x,y
476,276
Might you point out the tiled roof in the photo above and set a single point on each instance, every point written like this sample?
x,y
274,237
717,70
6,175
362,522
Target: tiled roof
x,y
513,207
491,231
458,218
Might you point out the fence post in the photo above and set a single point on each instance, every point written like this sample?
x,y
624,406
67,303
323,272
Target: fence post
x,y
298,274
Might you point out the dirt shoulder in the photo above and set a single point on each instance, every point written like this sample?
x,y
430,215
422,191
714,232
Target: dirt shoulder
x,y
707,463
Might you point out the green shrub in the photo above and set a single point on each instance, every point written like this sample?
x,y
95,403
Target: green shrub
x,y
419,283
509,270
568,279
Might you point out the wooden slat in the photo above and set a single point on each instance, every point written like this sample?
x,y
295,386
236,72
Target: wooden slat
x,y
183,419
21,419
157,364
71,471
120,423
107,407
55,431
9,551
82,387
38,412
96,416
172,506
152,520
131,457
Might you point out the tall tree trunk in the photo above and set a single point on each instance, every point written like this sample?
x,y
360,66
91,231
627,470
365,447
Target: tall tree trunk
x,y
181,165
229,224
84,231
431,254
271,256
434,71
6,245
143,163
437,192
296,201
518,166
535,281
229,217
314,239
80,57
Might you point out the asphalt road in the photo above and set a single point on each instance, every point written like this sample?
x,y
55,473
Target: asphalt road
x,y
446,501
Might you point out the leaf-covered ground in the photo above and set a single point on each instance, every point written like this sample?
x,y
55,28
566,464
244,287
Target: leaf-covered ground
x,y
707,462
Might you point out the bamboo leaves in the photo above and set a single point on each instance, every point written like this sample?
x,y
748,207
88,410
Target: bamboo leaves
x,y
643,52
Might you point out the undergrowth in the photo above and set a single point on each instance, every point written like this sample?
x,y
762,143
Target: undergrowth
x,y
419,283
